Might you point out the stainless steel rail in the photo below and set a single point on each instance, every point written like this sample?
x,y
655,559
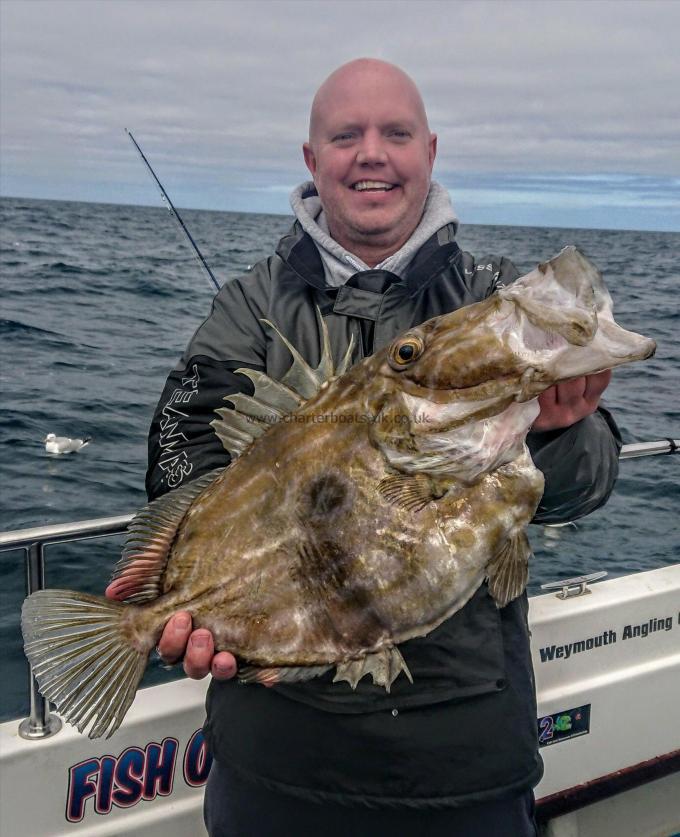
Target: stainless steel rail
x,y
40,723
650,448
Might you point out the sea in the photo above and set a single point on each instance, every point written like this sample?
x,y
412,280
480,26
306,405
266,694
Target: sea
x,y
98,302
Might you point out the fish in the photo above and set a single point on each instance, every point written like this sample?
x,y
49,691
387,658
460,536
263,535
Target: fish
x,y
363,505
63,444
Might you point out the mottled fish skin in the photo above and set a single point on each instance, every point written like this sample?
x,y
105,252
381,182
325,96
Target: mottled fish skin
x,y
369,515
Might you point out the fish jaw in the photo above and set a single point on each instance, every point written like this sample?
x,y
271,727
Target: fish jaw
x,y
567,327
611,346
562,295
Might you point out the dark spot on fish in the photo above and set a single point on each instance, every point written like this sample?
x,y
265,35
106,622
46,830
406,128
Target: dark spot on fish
x,y
324,573
327,496
321,568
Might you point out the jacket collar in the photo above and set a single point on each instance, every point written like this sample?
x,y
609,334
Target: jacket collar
x,y
440,251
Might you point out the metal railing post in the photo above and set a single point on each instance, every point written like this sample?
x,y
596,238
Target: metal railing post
x,y
40,723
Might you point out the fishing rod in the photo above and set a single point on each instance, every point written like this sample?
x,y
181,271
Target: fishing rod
x,y
175,214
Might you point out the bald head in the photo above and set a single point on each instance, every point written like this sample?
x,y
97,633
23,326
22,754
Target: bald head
x,y
364,74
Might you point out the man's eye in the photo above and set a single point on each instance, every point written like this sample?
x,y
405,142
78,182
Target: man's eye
x,y
343,137
399,134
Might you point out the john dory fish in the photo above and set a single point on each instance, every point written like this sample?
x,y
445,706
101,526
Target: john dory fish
x,y
362,507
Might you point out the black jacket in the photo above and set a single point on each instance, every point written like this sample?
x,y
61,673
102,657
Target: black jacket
x,y
466,729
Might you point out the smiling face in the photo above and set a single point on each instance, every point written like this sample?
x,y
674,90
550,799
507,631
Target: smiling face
x,y
371,153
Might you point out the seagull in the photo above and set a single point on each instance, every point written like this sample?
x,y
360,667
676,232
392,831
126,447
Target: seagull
x,y
62,444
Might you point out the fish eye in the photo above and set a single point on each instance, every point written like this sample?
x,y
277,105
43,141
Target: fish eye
x,y
405,351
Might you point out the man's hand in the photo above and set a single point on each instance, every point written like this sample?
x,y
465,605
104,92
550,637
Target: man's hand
x,y
565,404
197,647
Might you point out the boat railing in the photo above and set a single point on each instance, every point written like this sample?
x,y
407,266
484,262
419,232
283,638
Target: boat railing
x,y
40,722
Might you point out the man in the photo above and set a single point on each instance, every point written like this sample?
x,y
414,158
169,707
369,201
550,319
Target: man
x,y
374,248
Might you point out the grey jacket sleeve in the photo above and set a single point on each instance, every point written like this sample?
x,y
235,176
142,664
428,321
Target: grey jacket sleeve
x,y
580,465
182,442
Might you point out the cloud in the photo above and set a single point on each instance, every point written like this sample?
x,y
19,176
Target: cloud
x,y
218,93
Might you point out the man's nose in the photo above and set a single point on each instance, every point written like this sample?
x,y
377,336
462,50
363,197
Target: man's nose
x,y
372,150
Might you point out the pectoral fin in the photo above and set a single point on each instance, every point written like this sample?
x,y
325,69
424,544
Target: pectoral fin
x,y
508,572
411,492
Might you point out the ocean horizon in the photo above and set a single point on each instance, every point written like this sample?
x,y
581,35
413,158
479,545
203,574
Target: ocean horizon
x,y
180,209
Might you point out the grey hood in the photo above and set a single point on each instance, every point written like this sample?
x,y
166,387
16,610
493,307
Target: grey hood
x,y
339,264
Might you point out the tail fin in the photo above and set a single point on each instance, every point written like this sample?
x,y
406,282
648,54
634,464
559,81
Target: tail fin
x,y
80,658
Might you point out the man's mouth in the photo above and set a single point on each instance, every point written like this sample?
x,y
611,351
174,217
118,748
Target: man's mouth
x,y
372,186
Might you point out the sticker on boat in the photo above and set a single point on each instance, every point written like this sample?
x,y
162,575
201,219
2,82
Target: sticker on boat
x,y
560,726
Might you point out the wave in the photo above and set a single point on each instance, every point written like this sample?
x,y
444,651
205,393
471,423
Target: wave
x,y
65,267
11,327
37,338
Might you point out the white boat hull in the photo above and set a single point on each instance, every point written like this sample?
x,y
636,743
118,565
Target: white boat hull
x,y
608,717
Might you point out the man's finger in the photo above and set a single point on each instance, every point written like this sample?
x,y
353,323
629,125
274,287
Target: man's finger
x,y
199,654
570,392
174,638
223,666
597,384
547,398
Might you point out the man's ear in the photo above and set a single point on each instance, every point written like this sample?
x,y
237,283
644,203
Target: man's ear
x,y
432,149
310,158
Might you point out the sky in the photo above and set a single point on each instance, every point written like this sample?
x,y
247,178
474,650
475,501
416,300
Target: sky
x,y
548,112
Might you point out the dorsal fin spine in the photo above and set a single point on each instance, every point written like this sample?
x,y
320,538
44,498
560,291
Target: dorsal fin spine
x,y
239,426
